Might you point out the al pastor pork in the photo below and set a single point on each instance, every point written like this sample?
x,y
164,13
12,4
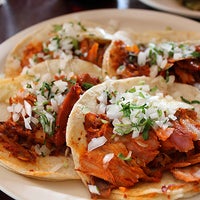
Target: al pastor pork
x,y
137,138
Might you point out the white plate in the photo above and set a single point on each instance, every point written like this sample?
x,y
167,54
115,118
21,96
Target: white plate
x,y
172,6
22,188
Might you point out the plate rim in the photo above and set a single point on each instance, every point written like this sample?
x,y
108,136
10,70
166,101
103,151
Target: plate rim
x,y
183,12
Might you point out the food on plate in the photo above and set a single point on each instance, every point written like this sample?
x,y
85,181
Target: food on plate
x,y
34,114
191,4
180,59
60,40
137,138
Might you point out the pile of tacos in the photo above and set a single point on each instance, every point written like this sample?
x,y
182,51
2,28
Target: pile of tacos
x,y
118,110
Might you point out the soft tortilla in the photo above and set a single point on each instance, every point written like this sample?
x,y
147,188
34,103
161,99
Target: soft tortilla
x,y
55,168
76,137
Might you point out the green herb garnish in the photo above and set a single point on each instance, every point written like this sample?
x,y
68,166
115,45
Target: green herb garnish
x,y
167,76
195,54
57,27
87,86
148,125
190,102
82,27
122,157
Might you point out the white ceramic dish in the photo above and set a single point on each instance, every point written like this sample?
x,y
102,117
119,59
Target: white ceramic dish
x,y
172,6
22,188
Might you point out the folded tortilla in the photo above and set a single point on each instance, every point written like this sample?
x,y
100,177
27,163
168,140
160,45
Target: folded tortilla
x,y
58,39
46,167
168,187
153,54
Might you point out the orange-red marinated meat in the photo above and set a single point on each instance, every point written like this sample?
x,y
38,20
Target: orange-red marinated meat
x,y
30,51
187,174
63,114
178,151
128,174
17,150
93,50
141,148
86,81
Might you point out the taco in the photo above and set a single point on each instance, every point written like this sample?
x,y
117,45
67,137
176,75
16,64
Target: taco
x,y
170,59
34,114
60,40
137,138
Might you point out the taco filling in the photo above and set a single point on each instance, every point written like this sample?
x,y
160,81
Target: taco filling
x,y
69,39
166,58
39,113
136,135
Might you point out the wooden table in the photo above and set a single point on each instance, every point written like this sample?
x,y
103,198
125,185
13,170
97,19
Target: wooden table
x,y
16,15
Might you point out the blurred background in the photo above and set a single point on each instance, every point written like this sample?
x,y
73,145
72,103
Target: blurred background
x,y
16,15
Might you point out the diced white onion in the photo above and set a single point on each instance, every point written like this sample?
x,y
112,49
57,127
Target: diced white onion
x,y
43,150
129,155
141,58
93,189
27,122
96,142
61,85
108,157
191,127
56,167
15,117
28,108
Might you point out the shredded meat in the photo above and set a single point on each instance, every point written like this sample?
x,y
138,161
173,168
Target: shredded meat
x,y
121,57
127,175
30,51
178,151
187,174
185,70
63,114
141,148
21,142
93,50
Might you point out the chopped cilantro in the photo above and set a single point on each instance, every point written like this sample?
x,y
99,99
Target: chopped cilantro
x,y
159,112
127,107
75,43
46,87
122,157
167,76
190,102
141,95
153,57
87,86
171,54
47,125
72,81
132,90
196,54
57,27
82,27
28,85
148,125
154,89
